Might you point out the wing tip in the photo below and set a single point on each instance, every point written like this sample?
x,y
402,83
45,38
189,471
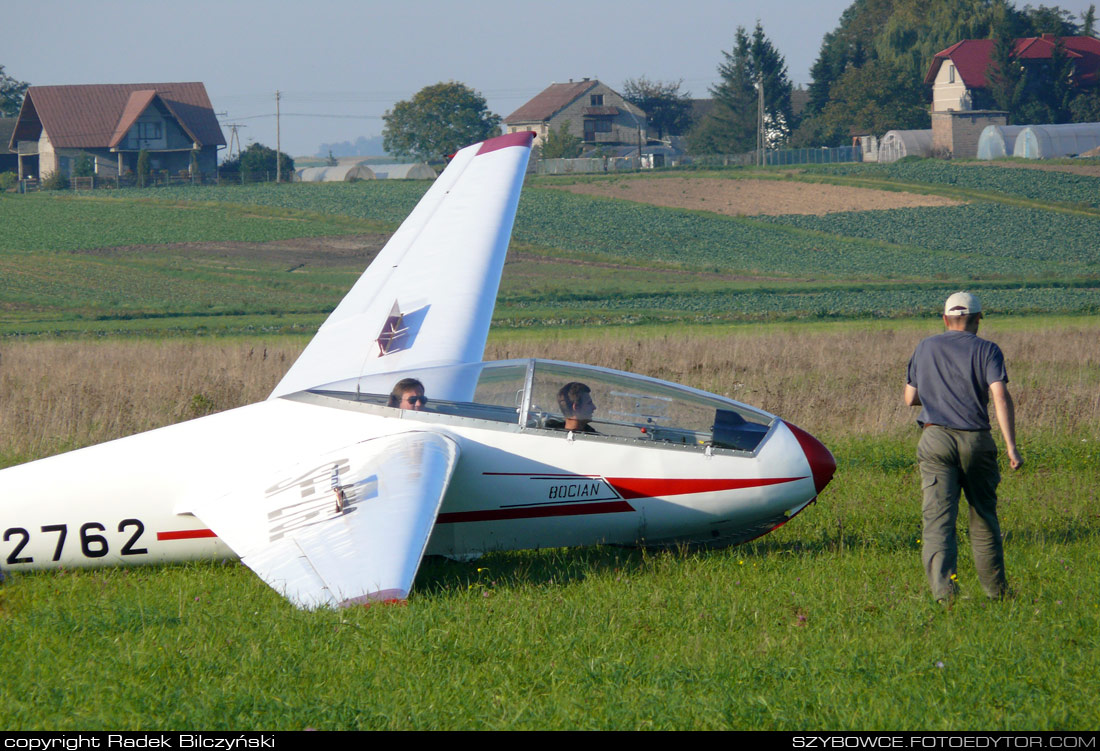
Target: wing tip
x,y
520,138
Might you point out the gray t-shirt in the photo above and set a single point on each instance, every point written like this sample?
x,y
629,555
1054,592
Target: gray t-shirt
x,y
952,373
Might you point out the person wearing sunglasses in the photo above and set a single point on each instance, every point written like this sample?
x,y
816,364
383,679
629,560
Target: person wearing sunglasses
x,y
408,393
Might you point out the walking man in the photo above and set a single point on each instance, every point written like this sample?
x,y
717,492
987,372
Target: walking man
x,y
951,377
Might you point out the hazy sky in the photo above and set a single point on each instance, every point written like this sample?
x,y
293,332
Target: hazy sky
x,y
340,64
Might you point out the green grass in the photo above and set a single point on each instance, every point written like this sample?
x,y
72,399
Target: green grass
x,y
824,624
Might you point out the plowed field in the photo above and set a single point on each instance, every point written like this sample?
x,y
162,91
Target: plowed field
x,y
754,197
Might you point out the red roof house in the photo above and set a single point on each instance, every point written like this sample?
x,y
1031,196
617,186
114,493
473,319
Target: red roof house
x,y
958,73
112,123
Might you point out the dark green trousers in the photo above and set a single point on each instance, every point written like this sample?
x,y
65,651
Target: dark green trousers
x,y
952,461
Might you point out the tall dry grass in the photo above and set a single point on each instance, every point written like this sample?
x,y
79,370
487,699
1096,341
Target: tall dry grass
x,y
838,382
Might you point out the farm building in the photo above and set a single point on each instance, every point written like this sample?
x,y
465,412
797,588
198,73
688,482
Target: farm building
x,y
334,174
111,123
898,144
591,110
997,141
1053,141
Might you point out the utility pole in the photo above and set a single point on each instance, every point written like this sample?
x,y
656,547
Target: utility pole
x,y
234,138
278,141
760,123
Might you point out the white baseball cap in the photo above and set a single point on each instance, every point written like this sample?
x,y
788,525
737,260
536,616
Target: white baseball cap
x,y
962,304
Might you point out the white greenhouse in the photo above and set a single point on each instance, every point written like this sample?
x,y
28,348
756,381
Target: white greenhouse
x,y
416,171
1053,141
338,173
997,141
898,144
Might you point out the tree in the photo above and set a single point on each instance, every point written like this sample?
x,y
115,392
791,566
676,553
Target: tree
x,y
84,166
850,45
561,144
1031,91
731,126
11,94
258,159
438,120
917,29
1048,20
667,110
142,167
1006,76
874,98
1088,22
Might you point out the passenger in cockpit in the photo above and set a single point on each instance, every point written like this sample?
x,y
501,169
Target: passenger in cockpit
x,y
577,407
408,393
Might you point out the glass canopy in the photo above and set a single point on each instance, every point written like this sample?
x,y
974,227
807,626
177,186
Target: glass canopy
x,y
596,403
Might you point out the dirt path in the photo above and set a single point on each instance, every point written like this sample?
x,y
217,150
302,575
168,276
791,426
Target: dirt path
x,y
753,197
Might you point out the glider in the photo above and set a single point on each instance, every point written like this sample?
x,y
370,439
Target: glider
x,y
333,496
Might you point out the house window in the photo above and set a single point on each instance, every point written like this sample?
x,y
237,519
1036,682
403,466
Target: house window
x,y
595,100
148,131
603,126
951,74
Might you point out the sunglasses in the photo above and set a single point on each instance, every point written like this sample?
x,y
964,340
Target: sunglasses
x,y
416,399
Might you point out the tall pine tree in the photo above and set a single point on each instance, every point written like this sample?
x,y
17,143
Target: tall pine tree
x,y
731,126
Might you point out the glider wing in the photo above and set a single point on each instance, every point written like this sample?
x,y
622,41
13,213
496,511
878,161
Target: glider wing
x,y
345,527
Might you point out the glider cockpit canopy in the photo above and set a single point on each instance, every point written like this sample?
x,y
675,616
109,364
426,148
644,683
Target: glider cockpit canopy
x,y
524,394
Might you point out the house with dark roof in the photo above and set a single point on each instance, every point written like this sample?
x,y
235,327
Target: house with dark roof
x,y
112,124
958,73
592,110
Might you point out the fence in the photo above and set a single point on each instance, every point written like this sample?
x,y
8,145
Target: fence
x,y
597,164
158,179
780,157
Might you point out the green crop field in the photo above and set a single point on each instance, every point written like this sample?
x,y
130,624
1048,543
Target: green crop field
x,y
1039,185
577,260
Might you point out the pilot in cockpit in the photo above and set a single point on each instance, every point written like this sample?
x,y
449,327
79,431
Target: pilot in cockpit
x,y
408,393
577,407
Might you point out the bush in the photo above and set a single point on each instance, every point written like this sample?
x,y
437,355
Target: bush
x,y
84,166
56,180
8,180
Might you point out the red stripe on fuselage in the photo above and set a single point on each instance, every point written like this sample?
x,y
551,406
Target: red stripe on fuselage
x,y
657,487
186,534
535,512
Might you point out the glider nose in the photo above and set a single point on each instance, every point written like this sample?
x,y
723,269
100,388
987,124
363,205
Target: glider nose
x,y
822,463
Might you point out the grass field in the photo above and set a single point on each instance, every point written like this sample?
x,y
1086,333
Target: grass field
x,y
122,314
825,623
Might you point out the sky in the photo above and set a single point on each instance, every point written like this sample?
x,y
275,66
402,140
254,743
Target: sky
x,y
341,64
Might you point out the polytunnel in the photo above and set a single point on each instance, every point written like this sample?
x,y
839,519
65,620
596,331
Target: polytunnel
x,y
414,171
897,144
1053,141
997,141
335,174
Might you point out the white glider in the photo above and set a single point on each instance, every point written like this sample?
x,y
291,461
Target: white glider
x,y
332,496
